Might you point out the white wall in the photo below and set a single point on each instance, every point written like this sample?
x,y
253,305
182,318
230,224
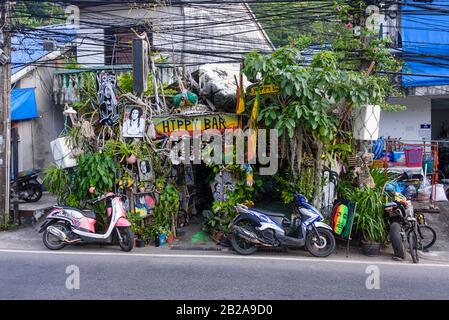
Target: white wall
x,y
90,50
35,135
180,28
406,124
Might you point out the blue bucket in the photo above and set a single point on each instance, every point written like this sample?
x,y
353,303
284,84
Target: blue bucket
x,y
162,239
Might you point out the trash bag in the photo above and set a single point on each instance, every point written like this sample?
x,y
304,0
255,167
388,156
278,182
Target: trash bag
x,y
440,195
410,192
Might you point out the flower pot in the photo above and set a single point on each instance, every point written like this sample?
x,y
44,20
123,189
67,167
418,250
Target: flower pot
x,y
370,248
170,238
131,159
140,243
217,236
162,239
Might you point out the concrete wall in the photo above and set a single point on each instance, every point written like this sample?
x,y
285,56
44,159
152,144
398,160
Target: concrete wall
x,y
35,135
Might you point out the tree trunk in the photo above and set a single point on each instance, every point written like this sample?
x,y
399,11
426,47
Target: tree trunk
x,y
299,140
318,174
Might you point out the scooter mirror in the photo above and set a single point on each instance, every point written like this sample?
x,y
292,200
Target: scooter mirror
x,y
92,190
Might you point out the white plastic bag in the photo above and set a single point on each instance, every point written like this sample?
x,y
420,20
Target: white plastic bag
x,y
440,195
424,193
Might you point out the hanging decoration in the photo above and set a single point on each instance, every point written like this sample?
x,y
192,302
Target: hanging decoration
x,y
133,122
146,172
249,174
107,98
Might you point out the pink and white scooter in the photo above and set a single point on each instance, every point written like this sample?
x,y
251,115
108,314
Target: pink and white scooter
x,y
68,225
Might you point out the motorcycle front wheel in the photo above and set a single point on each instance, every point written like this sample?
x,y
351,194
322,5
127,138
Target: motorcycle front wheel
x,y
321,244
396,240
241,246
127,241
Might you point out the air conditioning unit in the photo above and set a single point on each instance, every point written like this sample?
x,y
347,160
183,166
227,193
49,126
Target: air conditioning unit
x,y
62,153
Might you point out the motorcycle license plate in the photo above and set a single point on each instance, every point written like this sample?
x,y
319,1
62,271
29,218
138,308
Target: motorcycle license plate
x,y
39,180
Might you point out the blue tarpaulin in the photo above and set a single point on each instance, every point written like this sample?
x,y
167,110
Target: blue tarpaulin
x,y
425,42
23,104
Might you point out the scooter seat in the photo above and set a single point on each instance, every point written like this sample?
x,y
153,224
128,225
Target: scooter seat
x,y
269,213
89,214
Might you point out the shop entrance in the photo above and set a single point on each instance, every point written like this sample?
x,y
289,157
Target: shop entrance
x,y
440,119
440,132
195,196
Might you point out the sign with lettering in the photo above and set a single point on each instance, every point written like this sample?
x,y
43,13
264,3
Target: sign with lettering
x,y
265,89
166,125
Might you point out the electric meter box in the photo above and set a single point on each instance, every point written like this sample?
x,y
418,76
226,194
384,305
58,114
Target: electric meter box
x,y
366,122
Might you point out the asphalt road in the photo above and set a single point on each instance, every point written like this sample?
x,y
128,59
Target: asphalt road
x,y
198,275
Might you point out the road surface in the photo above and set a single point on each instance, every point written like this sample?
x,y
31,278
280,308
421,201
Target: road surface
x,y
198,275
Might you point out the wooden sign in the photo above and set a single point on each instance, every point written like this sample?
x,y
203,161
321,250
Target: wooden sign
x,y
166,125
264,89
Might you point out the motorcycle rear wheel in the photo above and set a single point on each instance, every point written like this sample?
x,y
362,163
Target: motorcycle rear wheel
x,y
51,241
241,246
323,249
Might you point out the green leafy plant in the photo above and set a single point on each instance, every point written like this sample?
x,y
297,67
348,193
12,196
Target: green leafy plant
x,y
166,211
369,218
122,149
57,181
223,212
95,170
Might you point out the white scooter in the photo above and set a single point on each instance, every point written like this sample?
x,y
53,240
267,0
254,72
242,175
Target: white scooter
x,y
68,225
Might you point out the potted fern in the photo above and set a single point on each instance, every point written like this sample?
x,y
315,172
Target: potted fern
x,y
369,218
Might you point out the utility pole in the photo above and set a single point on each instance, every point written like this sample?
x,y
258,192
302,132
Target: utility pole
x,y
5,110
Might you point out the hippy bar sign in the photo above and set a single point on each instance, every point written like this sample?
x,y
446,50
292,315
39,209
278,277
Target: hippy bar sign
x,y
166,125
263,89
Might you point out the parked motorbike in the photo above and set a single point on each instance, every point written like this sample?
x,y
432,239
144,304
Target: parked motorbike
x,y
68,225
398,210
253,228
28,186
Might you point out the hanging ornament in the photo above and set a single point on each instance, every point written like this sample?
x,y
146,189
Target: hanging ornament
x,y
249,174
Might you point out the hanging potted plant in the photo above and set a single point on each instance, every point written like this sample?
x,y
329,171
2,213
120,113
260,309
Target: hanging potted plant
x,y
129,152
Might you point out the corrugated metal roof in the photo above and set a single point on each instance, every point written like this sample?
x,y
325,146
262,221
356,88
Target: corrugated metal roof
x,y
28,47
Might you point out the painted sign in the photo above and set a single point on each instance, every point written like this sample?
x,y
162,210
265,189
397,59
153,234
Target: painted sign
x,y
166,125
265,89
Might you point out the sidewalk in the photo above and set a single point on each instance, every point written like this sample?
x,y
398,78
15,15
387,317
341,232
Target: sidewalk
x,y
27,238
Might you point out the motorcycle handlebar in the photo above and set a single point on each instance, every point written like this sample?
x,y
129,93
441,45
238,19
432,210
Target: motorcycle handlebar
x,y
100,198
